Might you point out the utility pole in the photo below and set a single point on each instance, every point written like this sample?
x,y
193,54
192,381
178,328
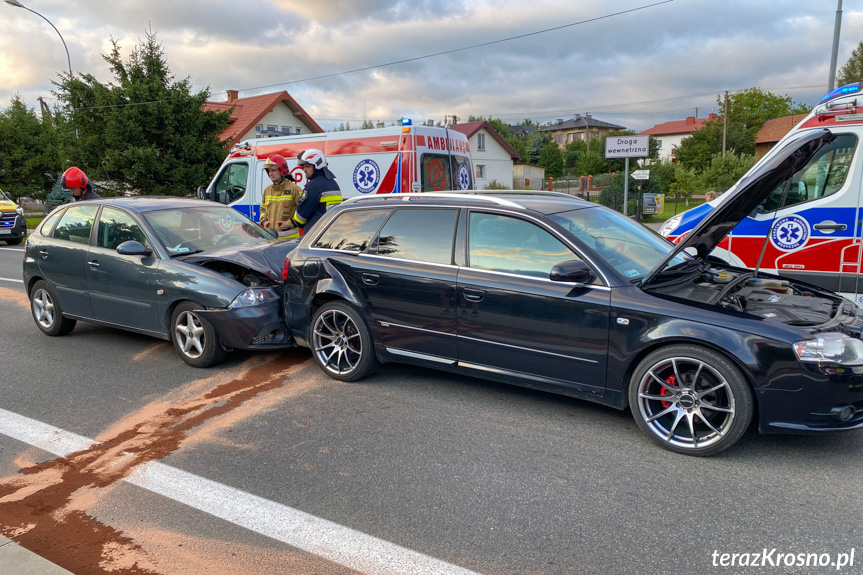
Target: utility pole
x,y
725,122
831,82
587,129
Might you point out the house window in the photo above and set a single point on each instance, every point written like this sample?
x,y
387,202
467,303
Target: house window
x,y
271,130
659,144
480,142
558,139
286,129
299,130
480,172
258,129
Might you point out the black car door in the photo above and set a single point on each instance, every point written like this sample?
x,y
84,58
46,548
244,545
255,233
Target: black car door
x,y
122,287
516,321
409,280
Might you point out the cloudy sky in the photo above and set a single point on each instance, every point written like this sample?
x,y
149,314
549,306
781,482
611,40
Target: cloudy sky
x,y
631,62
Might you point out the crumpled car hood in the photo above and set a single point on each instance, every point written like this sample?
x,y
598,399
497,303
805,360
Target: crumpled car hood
x,y
265,258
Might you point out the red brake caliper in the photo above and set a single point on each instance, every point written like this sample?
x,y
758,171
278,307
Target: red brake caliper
x,y
664,391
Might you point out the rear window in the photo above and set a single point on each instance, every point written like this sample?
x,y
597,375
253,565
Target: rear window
x,y
352,230
440,172
419,234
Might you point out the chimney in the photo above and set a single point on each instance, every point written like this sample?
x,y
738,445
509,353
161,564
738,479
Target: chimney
x,y
233,95
690,121
560,120
381,125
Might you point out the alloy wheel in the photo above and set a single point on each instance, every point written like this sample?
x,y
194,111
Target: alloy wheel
x,y
337,342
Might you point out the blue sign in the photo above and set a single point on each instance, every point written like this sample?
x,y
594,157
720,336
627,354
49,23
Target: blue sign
x,y
367,175
463,177
789,233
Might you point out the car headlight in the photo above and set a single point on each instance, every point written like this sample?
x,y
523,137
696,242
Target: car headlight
x,y
254,296
19,210
830,348
670,225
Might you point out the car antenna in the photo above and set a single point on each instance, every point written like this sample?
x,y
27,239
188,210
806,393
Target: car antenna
x,y
780,205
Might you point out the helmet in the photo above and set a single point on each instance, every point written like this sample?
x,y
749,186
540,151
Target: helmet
x,y
279,161
74,178
313,157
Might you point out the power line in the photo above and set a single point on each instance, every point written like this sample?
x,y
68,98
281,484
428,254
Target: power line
x,y
417,58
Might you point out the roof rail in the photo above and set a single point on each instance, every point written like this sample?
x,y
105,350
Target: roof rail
x,y
481,195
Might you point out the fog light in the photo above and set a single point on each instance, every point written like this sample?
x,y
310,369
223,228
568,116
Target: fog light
x,y
844,413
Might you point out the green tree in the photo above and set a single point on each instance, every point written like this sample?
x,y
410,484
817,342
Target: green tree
x,y
30,156
724,172
551,158
852,71
591,163
57,197
367,125
535,143
146,131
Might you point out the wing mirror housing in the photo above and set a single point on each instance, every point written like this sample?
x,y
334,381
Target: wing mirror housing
x,y
133,248
575,271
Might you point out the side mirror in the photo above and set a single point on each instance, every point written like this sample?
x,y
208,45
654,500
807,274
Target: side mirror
x,y
571,271
133,248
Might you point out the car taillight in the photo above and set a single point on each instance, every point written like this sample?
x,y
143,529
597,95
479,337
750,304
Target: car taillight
x,y
285,269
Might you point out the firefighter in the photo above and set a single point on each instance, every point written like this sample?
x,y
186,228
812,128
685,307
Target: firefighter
x,y
76,181
321,192
280,198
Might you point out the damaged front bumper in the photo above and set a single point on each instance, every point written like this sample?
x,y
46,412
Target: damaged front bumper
x,y
260,327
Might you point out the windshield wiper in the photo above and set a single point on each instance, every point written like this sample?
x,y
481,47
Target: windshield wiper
x,y
178,254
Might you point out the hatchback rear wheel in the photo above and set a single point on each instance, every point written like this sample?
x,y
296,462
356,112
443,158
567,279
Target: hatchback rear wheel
x,y
690,400
342,343
47,312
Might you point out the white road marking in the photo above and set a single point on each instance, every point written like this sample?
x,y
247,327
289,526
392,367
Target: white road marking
x,y
11,280
331,541
21,249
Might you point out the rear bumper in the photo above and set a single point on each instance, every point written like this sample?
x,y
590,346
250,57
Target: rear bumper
x,y
258,327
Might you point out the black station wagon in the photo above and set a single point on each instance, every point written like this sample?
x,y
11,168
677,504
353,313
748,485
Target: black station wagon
x,y
548,291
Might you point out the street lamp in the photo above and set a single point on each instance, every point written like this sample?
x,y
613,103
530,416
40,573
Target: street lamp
x,y
19,5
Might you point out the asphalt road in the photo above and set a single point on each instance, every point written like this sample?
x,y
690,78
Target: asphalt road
x,y
479,476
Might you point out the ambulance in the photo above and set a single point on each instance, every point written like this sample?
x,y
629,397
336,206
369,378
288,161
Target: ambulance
x,y
13,226
397,159
810,228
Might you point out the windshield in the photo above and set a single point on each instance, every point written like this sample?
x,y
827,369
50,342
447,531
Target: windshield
x,y
626,245
185,231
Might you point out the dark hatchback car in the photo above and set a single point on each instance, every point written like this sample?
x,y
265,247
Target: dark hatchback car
x,y
555,293
201,275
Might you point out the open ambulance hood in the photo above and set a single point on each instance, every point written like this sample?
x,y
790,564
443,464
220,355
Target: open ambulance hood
x,y
752,191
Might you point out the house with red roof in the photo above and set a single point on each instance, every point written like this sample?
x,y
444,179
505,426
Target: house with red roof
x,y
774,130
265,115
492,156
670,134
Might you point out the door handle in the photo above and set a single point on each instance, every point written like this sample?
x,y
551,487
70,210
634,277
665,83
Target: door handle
x,y
371,279
473,295
828,225
44,254
94,265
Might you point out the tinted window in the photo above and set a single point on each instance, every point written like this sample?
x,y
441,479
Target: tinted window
x,y
506,244
822,176
424,235
443,172
116,227
352,230
76,223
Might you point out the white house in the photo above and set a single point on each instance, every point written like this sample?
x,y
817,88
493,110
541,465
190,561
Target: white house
x,y
265,115
670,134
492,156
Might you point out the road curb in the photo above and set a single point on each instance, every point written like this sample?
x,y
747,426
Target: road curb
x,y
20,561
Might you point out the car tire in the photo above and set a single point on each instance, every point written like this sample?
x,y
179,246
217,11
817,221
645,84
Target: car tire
x,y
194,338
690,400
341,342
46,310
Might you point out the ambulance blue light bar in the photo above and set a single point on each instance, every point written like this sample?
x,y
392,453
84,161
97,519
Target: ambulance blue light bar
x,y
406,122
843,91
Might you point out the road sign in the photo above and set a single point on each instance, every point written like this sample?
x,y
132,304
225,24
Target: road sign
x,y
627,146
641,174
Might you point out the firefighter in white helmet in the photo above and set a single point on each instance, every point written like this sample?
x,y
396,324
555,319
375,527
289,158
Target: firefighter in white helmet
x,y
321,189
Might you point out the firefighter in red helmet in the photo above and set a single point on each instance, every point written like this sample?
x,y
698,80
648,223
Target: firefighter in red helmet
x,y
280,197
76,181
